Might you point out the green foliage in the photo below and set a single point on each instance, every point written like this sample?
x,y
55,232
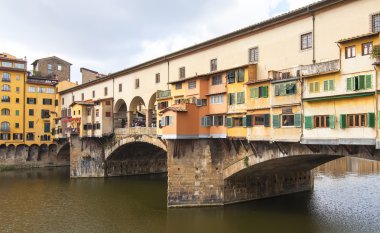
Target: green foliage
x,y
376,52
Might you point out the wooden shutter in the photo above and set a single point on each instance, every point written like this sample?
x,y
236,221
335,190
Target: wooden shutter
x,y
343,121
264,91
371,119
326,85
282,89
309,124
297,120
276,121
240,75
316,87
361,82
229,122
368,81
311,87
242,97
350,84
249,120
331,85
332,121
238,98
267,120
244,121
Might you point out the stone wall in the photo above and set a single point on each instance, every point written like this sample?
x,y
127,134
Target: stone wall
x,y
61,75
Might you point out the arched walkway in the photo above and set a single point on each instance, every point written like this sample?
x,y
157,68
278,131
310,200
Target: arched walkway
x,y
151,114
120,114
137,112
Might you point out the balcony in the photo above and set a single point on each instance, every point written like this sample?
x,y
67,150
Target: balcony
x,y
163,94
321,68
290,73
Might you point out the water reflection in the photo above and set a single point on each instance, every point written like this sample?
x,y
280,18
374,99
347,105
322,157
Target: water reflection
x,y
345,199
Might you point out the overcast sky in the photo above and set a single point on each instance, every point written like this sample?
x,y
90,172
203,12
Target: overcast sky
x,y
108,36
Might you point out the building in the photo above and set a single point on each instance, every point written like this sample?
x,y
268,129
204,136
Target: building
x,y
89,75
13,76
52,68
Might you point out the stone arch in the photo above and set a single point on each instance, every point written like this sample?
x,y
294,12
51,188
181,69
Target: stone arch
x,y
52,151
43,151
120,114
33,152
21,152
11,151
63,153
136,155
151,113
138,112
3,151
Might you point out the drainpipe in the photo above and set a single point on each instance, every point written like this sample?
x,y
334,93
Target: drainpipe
x,y
313,38
168,74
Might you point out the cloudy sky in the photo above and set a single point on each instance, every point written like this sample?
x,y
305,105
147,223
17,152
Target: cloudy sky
x,y
111,35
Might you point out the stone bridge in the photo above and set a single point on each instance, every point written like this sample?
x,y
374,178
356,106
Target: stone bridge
x,y
208,172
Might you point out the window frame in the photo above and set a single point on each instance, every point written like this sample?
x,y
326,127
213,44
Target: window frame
x,y
255,52
213,64
352,50
375,25
308,37
318,118
282,120
182,72
192,84
354,120
369,49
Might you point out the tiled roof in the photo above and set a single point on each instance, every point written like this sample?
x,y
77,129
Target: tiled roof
x,y
358,37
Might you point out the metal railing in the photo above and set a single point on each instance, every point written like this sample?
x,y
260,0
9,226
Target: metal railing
x,y
163,94
285,74
321,68
136,131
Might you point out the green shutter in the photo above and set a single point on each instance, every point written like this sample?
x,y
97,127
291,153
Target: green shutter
x,y
343,121
277,90
252,92
229,122
249,120
232,98
229,99
244,121
371,119
297,120
332,121
241,75
276,121
311,87
368,81
256,92
361,82
47,127
326,85
316,86
309,122
350,85
266,120
264,91
242,97
331,85
282,89
162,121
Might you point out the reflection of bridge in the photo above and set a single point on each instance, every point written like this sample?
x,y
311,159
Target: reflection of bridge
x,y
208,171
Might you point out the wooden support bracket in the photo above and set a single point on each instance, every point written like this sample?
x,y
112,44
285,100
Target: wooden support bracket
x,y
254,150
370,150
314,148
281,148
243,144
235,146
333,148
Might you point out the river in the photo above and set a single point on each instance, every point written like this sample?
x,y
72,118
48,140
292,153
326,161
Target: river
x,y
346,198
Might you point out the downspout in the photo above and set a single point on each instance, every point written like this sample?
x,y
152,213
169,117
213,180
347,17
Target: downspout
x,y
168,74
313,16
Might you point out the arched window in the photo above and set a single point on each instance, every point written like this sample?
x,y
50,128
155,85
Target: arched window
x,y
5,112
6,87
6,77
5,126
5,99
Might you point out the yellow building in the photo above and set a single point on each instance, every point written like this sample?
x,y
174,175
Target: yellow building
x,y
13,75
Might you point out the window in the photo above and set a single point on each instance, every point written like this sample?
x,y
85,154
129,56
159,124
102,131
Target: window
x,y
45,113
78,112
93,94
17,89
6,64
105,91
237,121
206,121
167,121
178,86
218,121
240,75
88,112
31,112
17,112
50,90
259,120
108,103
192,84
5,112
5,99
231,76
367,48
328,85
360,82
254,54
17,136
120,87
46,127
321,121
240,98
231,99
97,112
17,77
162,105
59,67
376,23
259,92
49,66
31,124
182,73
216,99
137,83
30,136
17,100
47,101
158,78
19,66
314,87
6,77
350,52
287,120
307,41
17,125
82,96
5,87
41,90
213,65
73,98
356,120
63,101
285,89
216,80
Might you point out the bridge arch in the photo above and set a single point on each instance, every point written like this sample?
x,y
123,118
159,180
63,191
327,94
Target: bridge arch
x,y
134,155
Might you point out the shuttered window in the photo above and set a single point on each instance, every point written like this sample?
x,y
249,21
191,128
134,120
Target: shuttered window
x,y
329,85
231,76
240,75
285,89
206,121
276,121
259,92
231,98
240,98
229,122
314,87
249,122
360,82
